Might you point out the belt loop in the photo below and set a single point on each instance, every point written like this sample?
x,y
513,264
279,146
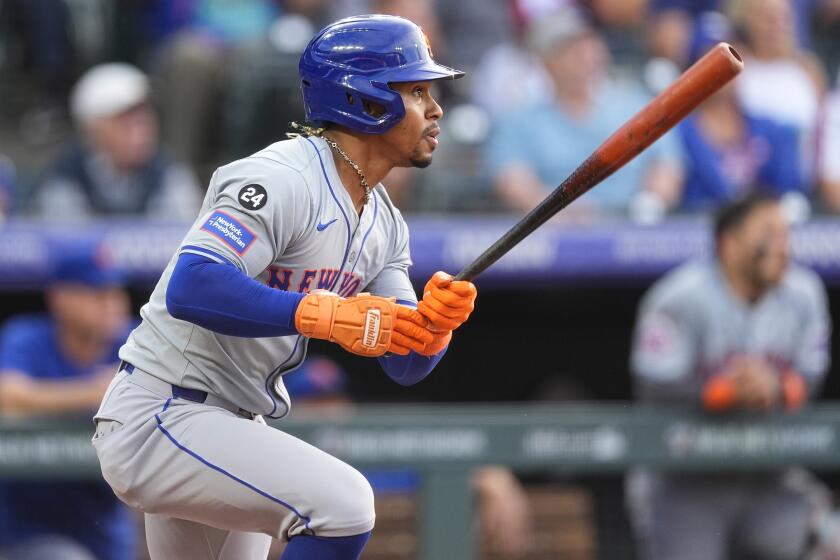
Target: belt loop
x,y
194,395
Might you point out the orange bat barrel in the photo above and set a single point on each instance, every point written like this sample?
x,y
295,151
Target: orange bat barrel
x,y
696,84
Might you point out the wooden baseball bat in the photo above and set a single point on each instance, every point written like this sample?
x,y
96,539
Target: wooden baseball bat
x,y
704,78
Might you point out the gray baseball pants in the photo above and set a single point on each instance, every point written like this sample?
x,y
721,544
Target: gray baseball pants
x,y
215,484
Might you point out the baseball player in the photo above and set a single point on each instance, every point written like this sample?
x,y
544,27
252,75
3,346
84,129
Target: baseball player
x,y
285,242
746,331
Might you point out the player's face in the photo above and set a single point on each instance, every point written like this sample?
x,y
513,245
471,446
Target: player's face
x,y
764,242
414,138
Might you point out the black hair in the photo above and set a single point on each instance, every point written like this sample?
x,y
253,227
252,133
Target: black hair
x,y
732,214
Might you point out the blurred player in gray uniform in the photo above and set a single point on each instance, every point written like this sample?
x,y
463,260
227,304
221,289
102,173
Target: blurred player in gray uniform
x,y
284,243
745,330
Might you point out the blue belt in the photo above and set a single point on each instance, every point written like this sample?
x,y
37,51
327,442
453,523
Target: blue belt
x,y
194,395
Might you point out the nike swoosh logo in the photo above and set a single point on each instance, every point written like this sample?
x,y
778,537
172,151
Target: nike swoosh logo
x,y
322,227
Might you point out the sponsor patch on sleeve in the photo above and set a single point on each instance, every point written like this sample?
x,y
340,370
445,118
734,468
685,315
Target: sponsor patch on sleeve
x,y
230,231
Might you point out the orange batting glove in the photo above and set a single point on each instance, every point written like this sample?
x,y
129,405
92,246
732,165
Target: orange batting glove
x,y
410,333
413,333
447,303
366,325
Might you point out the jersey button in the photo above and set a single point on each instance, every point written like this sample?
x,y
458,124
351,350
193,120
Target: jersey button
x,y
352,256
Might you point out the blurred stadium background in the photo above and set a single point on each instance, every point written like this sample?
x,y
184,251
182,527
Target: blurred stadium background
x,y
222,84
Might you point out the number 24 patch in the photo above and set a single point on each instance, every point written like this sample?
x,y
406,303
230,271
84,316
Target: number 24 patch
x,y
253,197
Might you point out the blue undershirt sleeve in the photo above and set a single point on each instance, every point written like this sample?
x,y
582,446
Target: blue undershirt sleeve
x,y
221,298
411,368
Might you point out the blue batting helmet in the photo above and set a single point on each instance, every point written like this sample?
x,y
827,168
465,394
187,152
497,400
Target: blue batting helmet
x,y
353,60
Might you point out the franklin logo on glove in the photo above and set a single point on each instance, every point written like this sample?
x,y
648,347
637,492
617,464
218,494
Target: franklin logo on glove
x,y
372,323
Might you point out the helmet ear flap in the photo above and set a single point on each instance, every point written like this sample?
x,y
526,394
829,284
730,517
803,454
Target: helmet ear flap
x,y
373,108
358,104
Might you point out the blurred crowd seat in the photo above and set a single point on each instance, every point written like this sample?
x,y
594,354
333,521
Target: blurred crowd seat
x,y
241,92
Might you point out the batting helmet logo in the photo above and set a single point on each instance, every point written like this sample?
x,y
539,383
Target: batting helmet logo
x,y
350,63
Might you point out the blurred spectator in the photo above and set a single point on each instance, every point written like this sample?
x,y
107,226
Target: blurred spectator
x,y
780,81
60,364
509,75
503,513
116,166
830,152
673,25
729,153
617,14
622,24
533,148
746,331
678,32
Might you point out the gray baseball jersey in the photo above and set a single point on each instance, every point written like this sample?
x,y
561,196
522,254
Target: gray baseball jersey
x,y
213,481
691,323
282,217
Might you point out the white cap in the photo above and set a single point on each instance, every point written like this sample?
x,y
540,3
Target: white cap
x,y
107,90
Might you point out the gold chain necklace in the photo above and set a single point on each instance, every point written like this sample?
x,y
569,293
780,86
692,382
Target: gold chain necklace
x,y
308,130
334,145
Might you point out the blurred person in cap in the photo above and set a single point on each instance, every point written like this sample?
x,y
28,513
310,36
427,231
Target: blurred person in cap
x,y
743,331
59,363
116,166
533,148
